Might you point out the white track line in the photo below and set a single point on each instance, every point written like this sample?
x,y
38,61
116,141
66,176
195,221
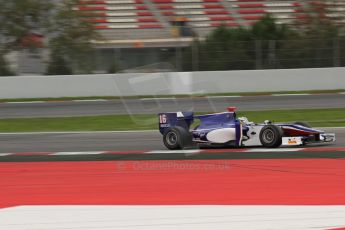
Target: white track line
x,y
329,127
24,102
158,98
80,132
189,151
275,150
174,217
215,97
294,94
91,100
162,98
100,132
77,153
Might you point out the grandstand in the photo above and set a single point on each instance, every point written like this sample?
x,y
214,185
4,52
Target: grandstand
x,y
153,33
163,19
172,24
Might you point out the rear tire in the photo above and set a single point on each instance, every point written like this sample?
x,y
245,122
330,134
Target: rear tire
x,y
271,136
303,123
177,138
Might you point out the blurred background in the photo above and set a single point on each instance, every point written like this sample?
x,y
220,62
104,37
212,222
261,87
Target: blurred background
x,y
60,37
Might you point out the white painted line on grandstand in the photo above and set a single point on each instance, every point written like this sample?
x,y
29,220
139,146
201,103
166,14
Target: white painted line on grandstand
x,y
275,150
158,98
81,132
24,102
234,96
5,154
293,94
76,153
190,151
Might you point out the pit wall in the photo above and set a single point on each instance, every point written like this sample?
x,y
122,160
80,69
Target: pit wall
x,y
172,83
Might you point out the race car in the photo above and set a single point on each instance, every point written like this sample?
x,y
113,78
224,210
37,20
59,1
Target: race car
x,y
226,130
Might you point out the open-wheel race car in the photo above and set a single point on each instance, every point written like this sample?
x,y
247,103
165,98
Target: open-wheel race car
x,y
226,130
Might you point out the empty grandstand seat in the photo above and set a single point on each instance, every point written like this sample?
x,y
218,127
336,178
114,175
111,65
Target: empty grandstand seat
x,y
154,16
120,17
199,13
285,11
120,14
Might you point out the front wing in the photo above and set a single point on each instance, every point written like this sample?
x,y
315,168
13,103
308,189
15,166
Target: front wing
x,y
302,140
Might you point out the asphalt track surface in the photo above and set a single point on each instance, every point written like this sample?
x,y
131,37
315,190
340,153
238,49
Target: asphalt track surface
x,y
152,106
102,141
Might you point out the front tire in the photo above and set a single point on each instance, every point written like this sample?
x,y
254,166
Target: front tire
x,y
177,138
271,136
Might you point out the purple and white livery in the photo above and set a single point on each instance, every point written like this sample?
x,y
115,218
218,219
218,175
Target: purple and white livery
x,y
225,129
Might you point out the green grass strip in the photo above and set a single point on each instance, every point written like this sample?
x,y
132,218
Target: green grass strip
x,y
316,117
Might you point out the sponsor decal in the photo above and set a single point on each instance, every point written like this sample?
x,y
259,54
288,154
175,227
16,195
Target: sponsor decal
x,y
292,142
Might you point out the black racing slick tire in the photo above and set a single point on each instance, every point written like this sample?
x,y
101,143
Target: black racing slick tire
x,y
303,123
177,138
271,136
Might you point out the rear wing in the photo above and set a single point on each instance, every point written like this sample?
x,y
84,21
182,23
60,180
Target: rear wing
x,y
173,119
